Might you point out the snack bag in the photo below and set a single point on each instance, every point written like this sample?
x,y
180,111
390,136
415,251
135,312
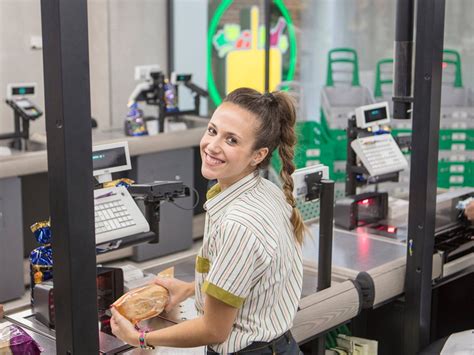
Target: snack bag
x,y
144,302
42,232
41,258
119,182
15,341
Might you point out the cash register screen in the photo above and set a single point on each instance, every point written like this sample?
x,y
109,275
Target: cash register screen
x,y
375,114
109,158
372,115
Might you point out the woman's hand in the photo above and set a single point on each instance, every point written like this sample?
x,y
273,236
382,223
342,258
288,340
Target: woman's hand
x,y
123,329
469,211
179,290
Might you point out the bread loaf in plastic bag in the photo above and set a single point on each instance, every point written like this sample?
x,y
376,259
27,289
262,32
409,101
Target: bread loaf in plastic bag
x,y
144,302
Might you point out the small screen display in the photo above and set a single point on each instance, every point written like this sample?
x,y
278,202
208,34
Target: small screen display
x,y
108,158
23,90
183,77
375,114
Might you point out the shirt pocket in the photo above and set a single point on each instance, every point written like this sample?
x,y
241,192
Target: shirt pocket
x,y
203,265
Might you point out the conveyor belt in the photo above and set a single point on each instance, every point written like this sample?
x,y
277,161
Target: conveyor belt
x,y
455,242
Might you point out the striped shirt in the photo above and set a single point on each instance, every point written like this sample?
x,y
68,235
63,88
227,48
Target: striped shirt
x,y
250,260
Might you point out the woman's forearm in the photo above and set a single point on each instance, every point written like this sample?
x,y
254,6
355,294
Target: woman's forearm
x,y
191,333
192,289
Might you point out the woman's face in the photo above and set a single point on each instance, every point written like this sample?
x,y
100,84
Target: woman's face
x,y
227,146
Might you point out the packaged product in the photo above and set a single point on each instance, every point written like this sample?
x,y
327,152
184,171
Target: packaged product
x,y
119,182
41,258
15,341
144,302
134,122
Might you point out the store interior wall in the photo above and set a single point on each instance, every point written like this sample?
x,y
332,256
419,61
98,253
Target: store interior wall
x,y
126,33
19,22
190,46
137,36
122,34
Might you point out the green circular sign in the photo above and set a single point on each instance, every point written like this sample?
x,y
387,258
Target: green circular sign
x,y
221,9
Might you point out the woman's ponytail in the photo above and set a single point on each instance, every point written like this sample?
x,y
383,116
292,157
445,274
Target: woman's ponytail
x,y
277,115
286,149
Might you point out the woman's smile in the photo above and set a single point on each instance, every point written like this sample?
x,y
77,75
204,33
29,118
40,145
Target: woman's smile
x,y
211,160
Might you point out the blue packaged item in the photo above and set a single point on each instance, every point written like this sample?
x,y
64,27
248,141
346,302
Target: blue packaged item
x,y
134,123
119,182
41,258
42,232
171,99
41,264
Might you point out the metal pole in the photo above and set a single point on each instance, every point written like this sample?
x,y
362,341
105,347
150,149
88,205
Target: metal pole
x,y
170,35
160,92
422,207
152,212
17,144
268,13
68,128
351,134
403,59
326,218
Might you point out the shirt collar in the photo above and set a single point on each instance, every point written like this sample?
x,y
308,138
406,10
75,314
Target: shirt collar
x,y
218,204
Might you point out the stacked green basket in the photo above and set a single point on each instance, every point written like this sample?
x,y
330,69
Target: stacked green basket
x,y
339,98
456,135
334,133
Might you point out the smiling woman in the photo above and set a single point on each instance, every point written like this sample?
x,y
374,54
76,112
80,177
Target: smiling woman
x,y
249,271
227,148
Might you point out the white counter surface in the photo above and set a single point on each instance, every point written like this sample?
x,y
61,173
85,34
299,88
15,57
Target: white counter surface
x,y
26,163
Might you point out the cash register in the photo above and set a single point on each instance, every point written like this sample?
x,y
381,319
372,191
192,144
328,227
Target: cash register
x,y
116,213
118,219
24,111
373,157
119,222
377,155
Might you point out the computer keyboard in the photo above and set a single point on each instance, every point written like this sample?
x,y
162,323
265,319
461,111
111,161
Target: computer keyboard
x,y
117,215
379,154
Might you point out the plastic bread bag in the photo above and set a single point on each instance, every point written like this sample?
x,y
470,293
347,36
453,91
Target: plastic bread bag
x,y
15,341
144,302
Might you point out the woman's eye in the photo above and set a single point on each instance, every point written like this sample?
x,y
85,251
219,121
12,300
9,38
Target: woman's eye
x,y
231,140
211,130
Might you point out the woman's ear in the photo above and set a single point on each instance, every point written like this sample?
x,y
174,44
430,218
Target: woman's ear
x,y
259,156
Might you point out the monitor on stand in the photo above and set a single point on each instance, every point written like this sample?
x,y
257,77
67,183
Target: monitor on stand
x,y
110,158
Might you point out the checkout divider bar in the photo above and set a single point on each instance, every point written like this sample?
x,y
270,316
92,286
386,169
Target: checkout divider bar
x,y
325,234
326,226
430,15
67,103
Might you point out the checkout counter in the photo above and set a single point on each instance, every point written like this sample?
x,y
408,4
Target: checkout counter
x,y
368,263
24,196
368,272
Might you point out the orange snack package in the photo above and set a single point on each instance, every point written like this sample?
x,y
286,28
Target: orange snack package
x,y
144,302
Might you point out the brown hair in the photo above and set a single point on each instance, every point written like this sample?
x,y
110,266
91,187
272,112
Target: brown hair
x,y
277,115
